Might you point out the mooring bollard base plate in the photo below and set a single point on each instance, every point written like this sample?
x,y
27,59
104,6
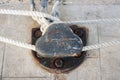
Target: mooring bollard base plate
x,y
60,64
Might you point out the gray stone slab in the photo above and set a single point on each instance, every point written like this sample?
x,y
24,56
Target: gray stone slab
x,y
2,49
88,2
89,69
3,25
107,32
0,77
19,62
25,79
82,2
110,61
110,68
88,12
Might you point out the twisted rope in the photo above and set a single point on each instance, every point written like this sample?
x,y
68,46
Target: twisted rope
x,y
101,45
91,21
17,43
39,15
27,13
32,47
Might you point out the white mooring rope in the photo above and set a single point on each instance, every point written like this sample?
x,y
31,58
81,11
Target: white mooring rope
x,y
27,13
32,47
17,43
40,15
101,45
91,21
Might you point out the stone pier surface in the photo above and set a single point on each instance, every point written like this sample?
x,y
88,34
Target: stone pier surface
x,y
102,64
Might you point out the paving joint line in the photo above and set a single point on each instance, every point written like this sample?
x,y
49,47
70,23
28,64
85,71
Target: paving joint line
x,y
3,59
98,31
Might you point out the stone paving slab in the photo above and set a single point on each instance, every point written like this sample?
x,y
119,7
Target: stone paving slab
x,y
19,62
19,28
95,2
25,79
89,69
89,12
12,68
82,2
109,56
2,49
3,24
109,68
110,61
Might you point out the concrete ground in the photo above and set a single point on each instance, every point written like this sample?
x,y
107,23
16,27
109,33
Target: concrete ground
x,y
103,64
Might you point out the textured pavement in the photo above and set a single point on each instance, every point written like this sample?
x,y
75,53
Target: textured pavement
x,y
103,64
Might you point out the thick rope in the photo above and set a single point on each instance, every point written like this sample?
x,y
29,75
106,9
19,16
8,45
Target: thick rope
x,y
101,45
27,13
40,14
17,43
91,21
32,47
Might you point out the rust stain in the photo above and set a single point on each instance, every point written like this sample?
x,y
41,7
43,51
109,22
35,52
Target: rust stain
x,y
52,32
48,40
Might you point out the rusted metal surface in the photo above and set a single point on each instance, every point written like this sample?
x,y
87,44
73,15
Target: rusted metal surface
x,y
59,40
61,64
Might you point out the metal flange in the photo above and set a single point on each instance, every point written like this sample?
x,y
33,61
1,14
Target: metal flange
x,y
60,64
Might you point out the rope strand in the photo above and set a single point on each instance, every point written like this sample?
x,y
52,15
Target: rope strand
x,y
27,13
35,14
17,43
91,21
101,45
32,47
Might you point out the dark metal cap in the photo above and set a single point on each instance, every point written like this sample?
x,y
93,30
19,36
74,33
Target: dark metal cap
x,y
59,41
